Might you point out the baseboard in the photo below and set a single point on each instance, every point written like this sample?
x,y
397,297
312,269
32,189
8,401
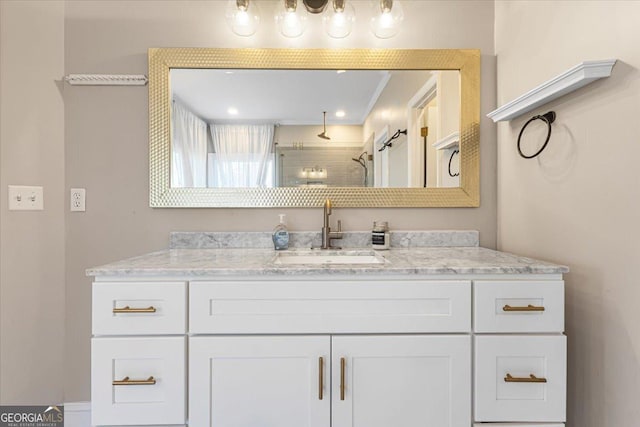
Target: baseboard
x,y
77,414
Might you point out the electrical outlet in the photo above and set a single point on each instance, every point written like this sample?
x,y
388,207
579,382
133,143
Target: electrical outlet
x,y
78,199
26,198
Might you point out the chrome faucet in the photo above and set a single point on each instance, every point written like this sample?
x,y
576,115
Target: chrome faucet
x,y
327,234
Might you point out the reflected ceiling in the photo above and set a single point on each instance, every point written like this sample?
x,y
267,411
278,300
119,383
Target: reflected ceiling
x,y
287,97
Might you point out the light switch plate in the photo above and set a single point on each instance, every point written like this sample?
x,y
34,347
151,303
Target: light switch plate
x,y
26,198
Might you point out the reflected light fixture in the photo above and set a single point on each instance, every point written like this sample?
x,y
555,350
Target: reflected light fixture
x,y
290,22
338,19
315,172
243,17
387,18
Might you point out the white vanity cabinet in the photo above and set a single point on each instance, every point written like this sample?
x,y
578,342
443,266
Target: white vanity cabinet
x,y
322,381
323,351
326,380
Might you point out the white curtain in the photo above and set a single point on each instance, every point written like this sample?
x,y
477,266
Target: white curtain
x,y
243,156
188,148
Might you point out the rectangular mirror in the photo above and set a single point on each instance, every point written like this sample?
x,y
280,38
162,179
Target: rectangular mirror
x,y
282,127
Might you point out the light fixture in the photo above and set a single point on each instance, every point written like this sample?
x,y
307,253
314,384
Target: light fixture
x,y
315,6
338,19
243,17
387,18
323,135
290,22
232,110
340,113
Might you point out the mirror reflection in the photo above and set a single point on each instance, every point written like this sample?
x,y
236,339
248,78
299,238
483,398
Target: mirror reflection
x,y
245,128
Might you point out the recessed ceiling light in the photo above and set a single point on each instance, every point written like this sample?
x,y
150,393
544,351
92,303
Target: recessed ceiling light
x,y
232,110
341,71
228,72
340,113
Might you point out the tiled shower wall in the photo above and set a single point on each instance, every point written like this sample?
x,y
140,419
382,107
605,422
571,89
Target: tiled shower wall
x,y
342,171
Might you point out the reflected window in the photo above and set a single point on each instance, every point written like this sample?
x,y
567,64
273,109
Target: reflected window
x,y
241,166
243,156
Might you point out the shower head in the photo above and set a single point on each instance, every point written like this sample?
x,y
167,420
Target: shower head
x,y
323,134
360,160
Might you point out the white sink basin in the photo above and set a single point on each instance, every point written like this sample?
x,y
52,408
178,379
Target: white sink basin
x,y
323,258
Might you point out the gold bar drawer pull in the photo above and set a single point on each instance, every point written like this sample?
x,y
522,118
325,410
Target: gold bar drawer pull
x,y
530,379
128,381
127,309
527,308
343,366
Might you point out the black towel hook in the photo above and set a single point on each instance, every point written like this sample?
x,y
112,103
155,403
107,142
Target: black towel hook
x,y
395,135
548,118
453,153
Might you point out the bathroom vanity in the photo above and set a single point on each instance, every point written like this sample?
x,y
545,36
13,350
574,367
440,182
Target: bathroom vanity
x,y
434,332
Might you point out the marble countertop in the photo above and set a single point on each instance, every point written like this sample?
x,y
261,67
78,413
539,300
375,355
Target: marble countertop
x,y
397,261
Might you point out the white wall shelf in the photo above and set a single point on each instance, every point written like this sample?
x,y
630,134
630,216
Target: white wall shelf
x,y
449,141
572,79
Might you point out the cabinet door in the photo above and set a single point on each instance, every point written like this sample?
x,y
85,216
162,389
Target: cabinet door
x,y
259,381
403,381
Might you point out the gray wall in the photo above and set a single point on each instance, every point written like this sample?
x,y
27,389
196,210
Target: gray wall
x,y
579,203
32,260
105,150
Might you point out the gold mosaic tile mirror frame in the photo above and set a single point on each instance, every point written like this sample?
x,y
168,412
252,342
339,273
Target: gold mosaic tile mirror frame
x,y
162,60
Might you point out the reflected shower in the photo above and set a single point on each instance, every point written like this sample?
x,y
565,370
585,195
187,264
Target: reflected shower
x,y
362,161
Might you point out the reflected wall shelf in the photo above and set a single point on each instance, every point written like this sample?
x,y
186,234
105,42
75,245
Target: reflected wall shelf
x,y
572,79
449,141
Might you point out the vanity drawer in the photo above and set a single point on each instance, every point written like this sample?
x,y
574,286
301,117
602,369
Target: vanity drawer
x,y
504,388
138,381
518,306
313,306
139,308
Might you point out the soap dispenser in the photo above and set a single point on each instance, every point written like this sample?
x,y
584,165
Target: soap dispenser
x,y
281,235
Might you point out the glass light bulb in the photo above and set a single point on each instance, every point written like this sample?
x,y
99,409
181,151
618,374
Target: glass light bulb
x,y
386,21
291,23
243,20
338,23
